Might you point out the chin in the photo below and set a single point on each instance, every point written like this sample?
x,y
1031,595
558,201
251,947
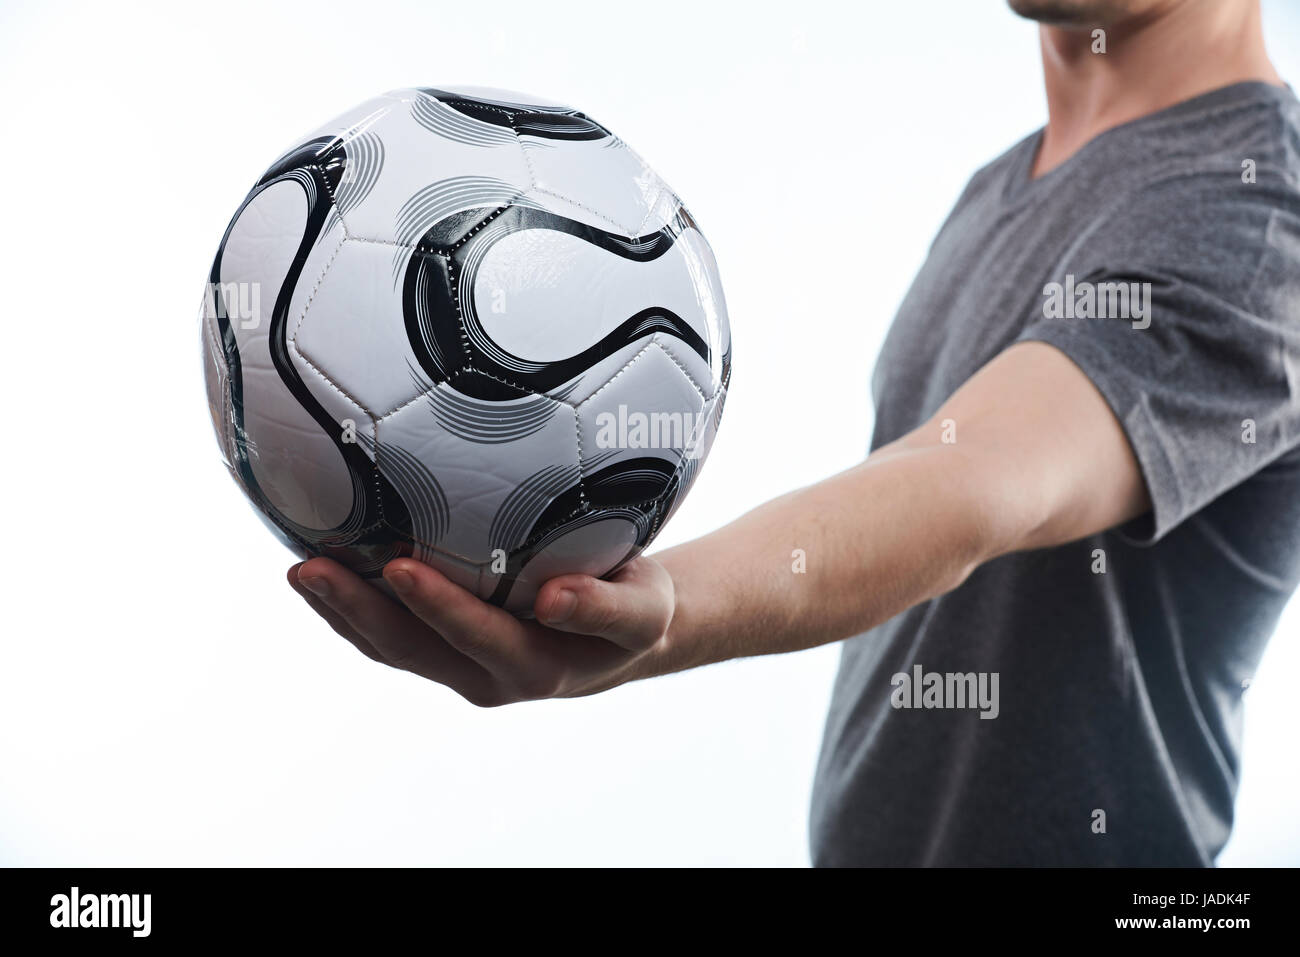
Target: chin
x,y
1077,13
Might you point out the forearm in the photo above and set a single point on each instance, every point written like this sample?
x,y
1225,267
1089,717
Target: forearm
x,y
834,559
1041,460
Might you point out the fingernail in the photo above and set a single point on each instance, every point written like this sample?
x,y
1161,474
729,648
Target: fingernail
x,y
400,579
562,606
317,586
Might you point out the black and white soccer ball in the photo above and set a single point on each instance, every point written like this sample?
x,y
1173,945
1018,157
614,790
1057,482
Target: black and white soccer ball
x,y
468,326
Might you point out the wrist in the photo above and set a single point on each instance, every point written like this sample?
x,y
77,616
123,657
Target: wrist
x,y
680,647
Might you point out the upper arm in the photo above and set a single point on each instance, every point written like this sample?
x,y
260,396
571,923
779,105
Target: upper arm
x,y
1039,449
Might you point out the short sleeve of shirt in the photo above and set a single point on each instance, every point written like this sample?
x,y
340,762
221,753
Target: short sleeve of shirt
x,y
1192,333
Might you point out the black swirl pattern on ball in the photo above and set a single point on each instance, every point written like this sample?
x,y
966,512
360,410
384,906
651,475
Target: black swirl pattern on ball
x,y
436,313
361,539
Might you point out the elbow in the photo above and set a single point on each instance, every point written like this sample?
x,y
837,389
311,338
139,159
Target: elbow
x,y
999,514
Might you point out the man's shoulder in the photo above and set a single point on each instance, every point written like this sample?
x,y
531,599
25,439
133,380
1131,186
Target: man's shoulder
x,y
1250,132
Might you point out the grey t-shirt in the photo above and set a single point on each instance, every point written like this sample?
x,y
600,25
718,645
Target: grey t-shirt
x,y
1115,665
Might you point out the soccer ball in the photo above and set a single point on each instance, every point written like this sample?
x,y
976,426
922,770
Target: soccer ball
x,y
468,326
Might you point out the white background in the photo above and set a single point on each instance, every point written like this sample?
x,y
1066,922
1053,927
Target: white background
x,y
166,699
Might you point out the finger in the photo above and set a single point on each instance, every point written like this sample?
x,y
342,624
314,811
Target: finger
x,y
494,638
632,610
333,618
400,638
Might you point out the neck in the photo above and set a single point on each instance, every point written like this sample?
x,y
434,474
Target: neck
x,y
1172,53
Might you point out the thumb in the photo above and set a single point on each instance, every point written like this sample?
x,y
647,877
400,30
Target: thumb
x,y
633,609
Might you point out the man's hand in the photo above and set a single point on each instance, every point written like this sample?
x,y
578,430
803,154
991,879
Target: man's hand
x,y
590,635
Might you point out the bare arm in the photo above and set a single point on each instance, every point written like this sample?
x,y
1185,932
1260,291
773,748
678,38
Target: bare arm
x,y
1034,457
